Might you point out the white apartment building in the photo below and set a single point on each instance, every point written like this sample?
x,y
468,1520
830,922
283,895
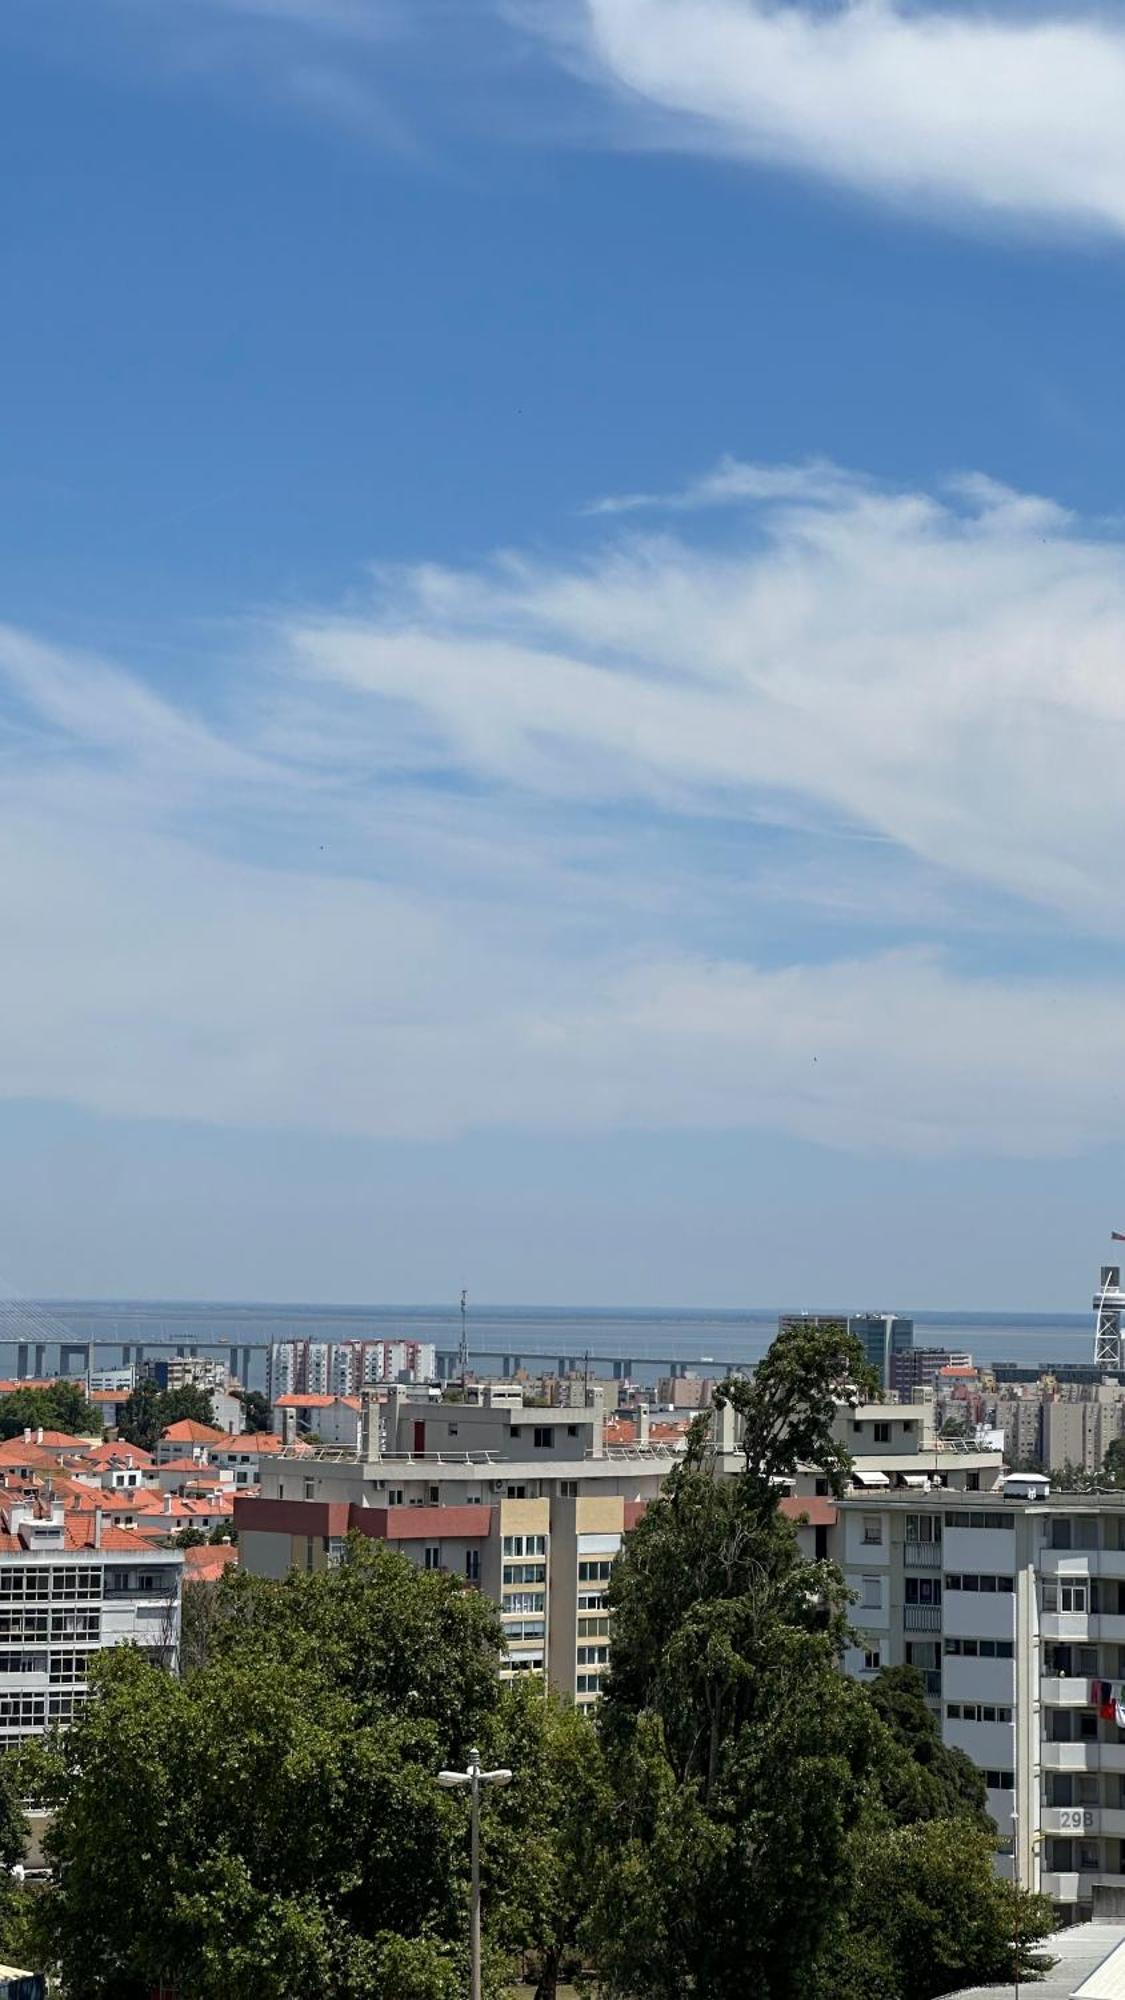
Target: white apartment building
x,y
67,1591
343,1367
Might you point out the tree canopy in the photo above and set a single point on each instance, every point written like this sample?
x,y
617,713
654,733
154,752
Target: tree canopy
x,y
757,1789
270,1822
149,1411
61,1406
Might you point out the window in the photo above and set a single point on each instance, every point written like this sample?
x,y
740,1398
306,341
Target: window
x,y
515,1492
588,1683
922,1590
541,1437
923,1527
873,1529
435,1496
591,1600
1064,1594
593,1628
871,1593
979,1649
972,1482
881,1433
592,1656
516,1431
310,1489
572,1430
976,1711
598,1571
1000,1781
525,1600
872,1660
431,1555
978,1519
972,1581
453,1430
525,1545
568,1489
472,1565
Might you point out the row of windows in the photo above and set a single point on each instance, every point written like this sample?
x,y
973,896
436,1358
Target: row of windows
x,y
21,1663
976,1711
592,1656
1000,1781
68,1580
524,1663
515,1572
594,1628
516,1629
595,1572
972,1582
980,1649
591,1600
977,1519
525,1600
525,1545
588,1683
64,1667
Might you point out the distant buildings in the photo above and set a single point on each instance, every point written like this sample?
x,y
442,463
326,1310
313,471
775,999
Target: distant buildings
x,y
343,1367
882,1336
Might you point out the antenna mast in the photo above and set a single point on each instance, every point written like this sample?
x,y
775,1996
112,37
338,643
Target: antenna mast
x,y
1107,1322
463,1357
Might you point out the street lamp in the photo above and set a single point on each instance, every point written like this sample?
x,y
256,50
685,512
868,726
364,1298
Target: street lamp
x,y
471,1781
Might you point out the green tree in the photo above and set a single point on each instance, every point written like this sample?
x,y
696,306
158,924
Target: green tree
x,y
149,1411
270,1820
933,1781
255,1410
928,1914
751,1780
60,1407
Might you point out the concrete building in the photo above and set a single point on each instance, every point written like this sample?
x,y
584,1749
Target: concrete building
x,y
68,1589
529,1505
882,1336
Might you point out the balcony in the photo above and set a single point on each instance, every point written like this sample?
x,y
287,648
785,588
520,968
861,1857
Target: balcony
x,y
1064,1691
921,1617
922,1555
1082,1756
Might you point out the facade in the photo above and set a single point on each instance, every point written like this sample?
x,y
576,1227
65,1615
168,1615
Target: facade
x,y
529,1505
344,1367
188,1371
68,1589
882,1336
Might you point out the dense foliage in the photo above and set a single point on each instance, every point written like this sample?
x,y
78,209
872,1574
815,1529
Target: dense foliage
x,y
763,1801
255,1410
270,1823
150,1410
62,1406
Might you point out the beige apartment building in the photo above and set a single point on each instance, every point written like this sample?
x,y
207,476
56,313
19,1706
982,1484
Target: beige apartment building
x,y
529,1505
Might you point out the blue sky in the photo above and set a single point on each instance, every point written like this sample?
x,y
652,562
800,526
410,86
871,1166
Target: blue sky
x,y
562,669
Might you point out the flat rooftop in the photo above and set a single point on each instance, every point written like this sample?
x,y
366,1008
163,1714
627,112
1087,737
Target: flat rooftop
x,y
1090,1959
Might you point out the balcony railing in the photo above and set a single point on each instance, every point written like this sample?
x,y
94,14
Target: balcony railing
x,y
921,1617
923,1555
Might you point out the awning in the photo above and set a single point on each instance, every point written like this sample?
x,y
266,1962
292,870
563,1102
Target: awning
x,y
914,1479
869,1478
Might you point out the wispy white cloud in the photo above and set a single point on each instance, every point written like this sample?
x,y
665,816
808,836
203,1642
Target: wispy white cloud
x,y
1011,113
447,865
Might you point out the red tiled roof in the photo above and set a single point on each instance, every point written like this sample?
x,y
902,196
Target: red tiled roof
x,y
261,1442
206,1564
187,1431
114,1452
812,1508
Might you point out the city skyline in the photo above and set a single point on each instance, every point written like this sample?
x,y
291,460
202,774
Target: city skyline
x,y
559,645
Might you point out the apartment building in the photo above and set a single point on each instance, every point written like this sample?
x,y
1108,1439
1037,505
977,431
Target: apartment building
x,y
68,1589
529,1505
343,1367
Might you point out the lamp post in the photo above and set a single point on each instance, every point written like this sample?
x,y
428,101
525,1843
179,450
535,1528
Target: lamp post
x,y
1016,1873
471,1781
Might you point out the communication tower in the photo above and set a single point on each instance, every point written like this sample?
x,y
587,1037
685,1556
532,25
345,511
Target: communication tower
x,y
1108,1303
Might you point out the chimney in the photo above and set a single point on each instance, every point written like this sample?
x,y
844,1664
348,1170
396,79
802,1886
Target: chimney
x,y
369,1428
27,1435
97,1527
167,1503
288,1426
39,1435
642,1423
